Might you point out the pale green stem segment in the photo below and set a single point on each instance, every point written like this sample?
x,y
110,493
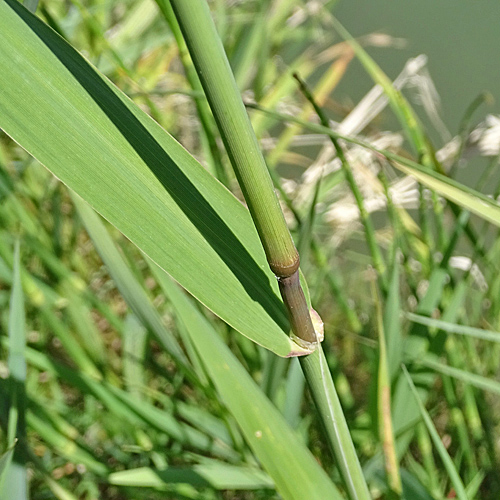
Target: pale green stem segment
x,y
243,150
319,380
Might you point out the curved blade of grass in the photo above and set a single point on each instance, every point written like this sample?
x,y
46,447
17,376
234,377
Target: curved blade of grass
x,y
215,474
83,129
478,381
448,327
400,106
447,461
392,323
460,194
134,353
292,467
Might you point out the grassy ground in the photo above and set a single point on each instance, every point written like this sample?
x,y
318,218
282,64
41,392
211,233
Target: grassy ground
x,y
108,391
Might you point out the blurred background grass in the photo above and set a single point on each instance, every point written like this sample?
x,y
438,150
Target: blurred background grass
x,y
102,394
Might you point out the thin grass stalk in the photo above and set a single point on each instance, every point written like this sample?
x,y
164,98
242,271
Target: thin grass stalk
x,y
455,480
319,380
376,254
429,465
392,216
322,91
243,150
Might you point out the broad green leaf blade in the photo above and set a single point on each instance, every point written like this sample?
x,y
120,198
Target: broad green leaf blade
x,y
445,457
213,474
289,463
83,129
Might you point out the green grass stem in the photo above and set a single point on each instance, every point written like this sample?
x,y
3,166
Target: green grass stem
x,y
319,380
224,98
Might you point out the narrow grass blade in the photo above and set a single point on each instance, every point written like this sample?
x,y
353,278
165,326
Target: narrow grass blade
x,y
205,421
460,194
66,337
127,284
412,488
291,466
121,162
134,351
428,460
273,373
217,475
447,461
392,322
473,487
448,327
294,394
384,407
400,106
478,381
15,485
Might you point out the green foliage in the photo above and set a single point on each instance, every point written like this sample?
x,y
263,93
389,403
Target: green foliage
x,y
119,385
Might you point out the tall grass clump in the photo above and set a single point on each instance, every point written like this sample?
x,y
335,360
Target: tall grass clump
x,y
369,372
